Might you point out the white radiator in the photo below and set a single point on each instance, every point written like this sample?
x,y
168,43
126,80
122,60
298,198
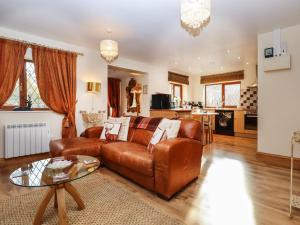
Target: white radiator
x,y
26,139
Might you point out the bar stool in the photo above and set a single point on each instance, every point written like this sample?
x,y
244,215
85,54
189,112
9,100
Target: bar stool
x,y
294,199
209,138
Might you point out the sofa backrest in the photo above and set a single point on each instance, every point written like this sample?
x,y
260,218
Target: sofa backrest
x,y
140,136
189,128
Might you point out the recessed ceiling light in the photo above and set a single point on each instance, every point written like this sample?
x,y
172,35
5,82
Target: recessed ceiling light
x,y
222,67
199,58
228,51
239,57
247,63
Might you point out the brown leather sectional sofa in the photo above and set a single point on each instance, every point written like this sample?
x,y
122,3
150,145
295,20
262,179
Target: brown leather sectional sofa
x,y
173,164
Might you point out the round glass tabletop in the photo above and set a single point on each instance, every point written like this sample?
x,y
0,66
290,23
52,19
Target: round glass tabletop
x,y
54,171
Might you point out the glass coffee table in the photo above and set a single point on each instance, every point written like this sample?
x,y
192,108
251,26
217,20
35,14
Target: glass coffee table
x,y
57,174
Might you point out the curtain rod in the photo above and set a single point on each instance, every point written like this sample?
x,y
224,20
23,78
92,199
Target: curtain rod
x,y
40,45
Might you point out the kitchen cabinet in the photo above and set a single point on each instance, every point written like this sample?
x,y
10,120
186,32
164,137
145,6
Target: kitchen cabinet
x,y
239,123
171,113
239,119
239,126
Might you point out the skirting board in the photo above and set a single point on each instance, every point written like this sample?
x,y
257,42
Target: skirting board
x,y
278,160
27,156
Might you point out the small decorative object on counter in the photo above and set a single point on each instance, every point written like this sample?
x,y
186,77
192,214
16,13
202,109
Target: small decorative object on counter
x,y
294,199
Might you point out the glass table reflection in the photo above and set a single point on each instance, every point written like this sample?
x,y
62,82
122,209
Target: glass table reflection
x,y
41,173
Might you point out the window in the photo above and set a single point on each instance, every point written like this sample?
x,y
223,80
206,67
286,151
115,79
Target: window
x,y
176,92
26,87
213,95
222,95
232,94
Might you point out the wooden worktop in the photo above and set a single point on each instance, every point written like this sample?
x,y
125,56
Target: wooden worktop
x,y
189,110
234,109
173,110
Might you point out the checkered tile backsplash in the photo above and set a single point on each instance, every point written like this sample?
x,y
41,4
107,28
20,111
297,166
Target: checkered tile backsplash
x,y
249,99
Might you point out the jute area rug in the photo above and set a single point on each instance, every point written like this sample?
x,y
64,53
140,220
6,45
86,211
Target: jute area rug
x,y
106,203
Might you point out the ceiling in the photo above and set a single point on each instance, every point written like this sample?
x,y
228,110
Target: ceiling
x,y
150,31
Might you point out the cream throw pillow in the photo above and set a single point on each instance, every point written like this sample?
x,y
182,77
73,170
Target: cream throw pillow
x,y
113,132
171,127
123,133
167,129
157,137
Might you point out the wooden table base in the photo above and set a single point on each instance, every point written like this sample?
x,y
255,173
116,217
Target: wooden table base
x,y
58,192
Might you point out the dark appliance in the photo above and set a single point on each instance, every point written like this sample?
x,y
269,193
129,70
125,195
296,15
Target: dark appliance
x,y
161,101
224,122
250,120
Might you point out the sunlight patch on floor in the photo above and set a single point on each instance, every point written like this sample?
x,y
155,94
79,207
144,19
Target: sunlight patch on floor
x,y
224,195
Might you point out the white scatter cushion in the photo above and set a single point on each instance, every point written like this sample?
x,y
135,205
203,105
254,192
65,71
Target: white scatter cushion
x,y
123,133
171,127
113,130
157,137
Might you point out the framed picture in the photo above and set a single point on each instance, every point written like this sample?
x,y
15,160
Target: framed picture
x,y
269,52
145,89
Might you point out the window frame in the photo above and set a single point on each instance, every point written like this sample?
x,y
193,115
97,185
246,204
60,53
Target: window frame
x,y
23,92
223,93
173,91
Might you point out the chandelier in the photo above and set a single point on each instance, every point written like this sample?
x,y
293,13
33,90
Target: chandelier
x,y
109,50
195,13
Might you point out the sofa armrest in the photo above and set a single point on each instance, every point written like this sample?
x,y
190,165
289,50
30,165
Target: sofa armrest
x,y
92,132
176,162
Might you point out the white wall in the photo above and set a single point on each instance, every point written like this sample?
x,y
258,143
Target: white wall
x,y
278,96
90,67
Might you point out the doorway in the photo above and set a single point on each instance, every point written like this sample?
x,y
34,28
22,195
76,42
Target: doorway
x,y
127,94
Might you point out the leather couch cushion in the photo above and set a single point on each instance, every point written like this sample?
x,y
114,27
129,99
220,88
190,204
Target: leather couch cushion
x,y
190,128
142,136
112,151
138,160
130,155
76,146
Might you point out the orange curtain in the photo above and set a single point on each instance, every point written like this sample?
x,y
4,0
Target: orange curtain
x,y
56,78
114,96
11,66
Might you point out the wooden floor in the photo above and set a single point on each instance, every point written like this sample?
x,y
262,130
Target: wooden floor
x,y
234,188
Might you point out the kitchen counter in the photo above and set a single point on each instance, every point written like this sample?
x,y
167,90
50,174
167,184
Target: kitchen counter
x,y
189,110
239,120
229,109
174,110
171,113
